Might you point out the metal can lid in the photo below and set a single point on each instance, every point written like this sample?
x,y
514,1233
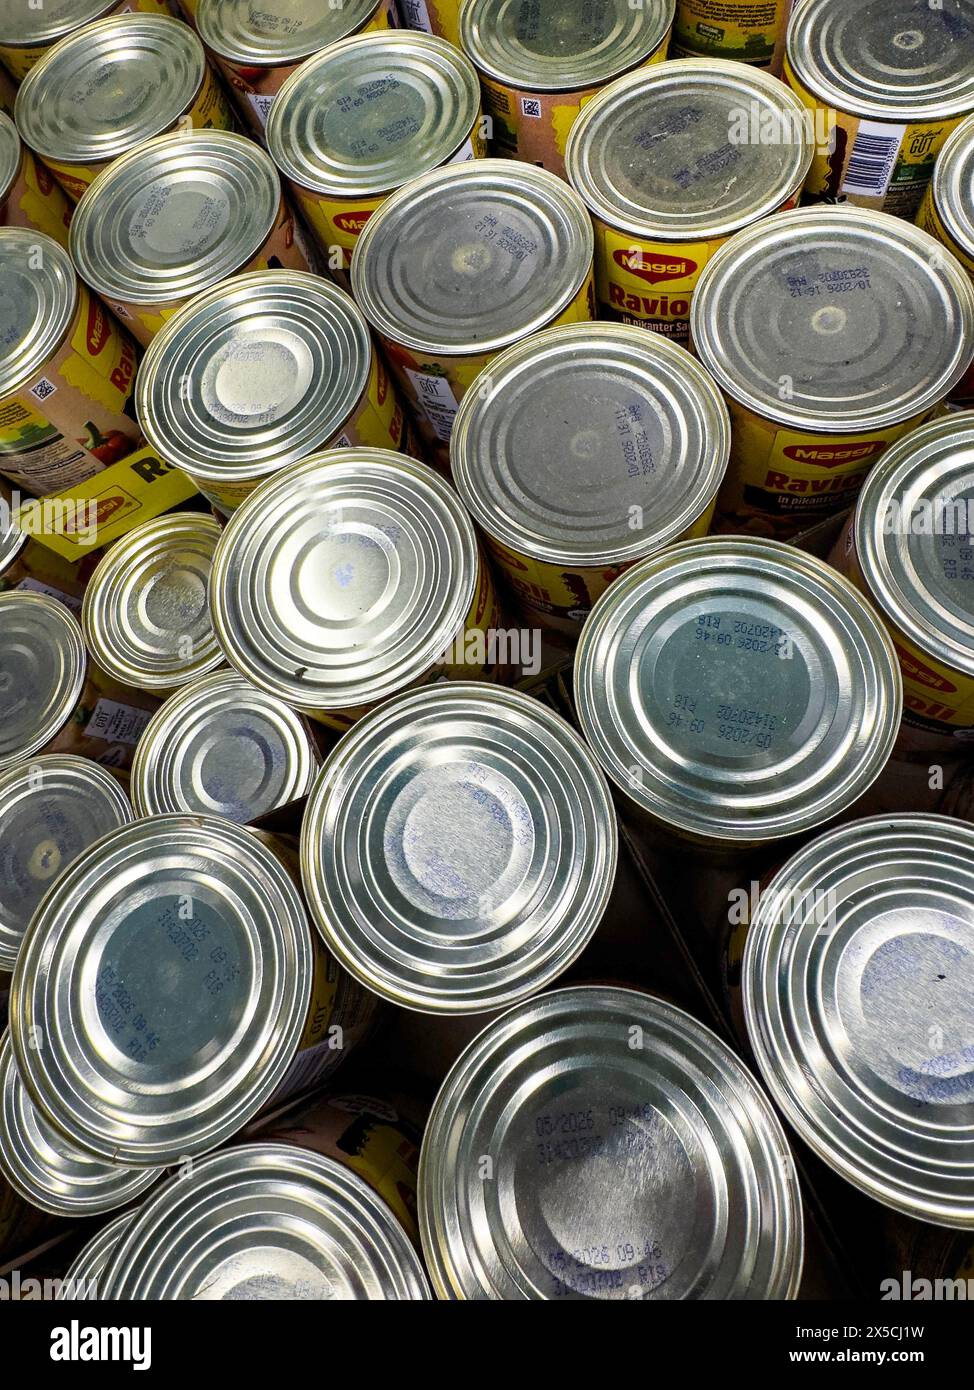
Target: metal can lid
x,y
834,319
45,1168
175,216
470,258
11,154
253,374
112,85
146,618
12,538
555,48
81,1283
896,60
222,747
590,444
857,980
343,579
371,113
170,970
459,848
277,32
38,301
30,26
633,1156
953,185
265,1221
51,809
43,665
738,689
913,534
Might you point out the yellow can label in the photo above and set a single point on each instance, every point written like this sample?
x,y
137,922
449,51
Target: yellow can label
x,y
929,219
649,283
37,201
745,31
19,61
433,17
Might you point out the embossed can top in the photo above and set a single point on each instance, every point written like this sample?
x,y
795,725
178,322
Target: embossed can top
x,y
43,664
278,32
952,185
38,301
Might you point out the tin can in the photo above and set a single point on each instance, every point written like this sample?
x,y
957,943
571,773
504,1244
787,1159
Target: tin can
x,y
52,699
433,17
264,1221
671,161
348,578
583,450
258,373
947,213
575,1092
80,1283
365,117
885,86
175,217
463,262
832,332
540,65
105,90
734,29
857,982
737,690
459,834
29,196
27,31
66,371
259,48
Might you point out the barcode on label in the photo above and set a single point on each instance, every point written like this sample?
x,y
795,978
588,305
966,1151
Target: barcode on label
x,y
436,400
415,15
43,388
262,105
873,158
344,441
116,723
531,106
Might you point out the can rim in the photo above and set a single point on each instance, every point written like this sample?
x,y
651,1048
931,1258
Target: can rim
x,y
213,22
74,673
61,285
87,1266
11,155
953,199
59,28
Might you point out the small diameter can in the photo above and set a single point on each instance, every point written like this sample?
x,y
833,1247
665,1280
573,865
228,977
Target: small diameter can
x,y
350,577
67,370
258,372
540,64
857,982
364,118
832,332
28,31
29,195
671,161
885,86
581,451
947,213
258,48
737,691
737,30
663,1131
440,17
112,86
463,262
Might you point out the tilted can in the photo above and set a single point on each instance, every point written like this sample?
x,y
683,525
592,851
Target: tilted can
x,y
885,86
365,117
832,332
671,161
258,372
28,31
67,370
115,84
540,64
583,450
264,1221
737,30
52,698
258,48
947,213
81,1281
433,17
857,984
176,216
29,195
737,691
463,262
348,578
575,1093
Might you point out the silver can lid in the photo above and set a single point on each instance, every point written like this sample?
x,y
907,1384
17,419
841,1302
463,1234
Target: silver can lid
x,y
670,150
83,1278
630,1153
12,539
343,579
38,300
146,617
170,971
857,980
43,665
254,374
265,1221
834,319
738,689
109,87
914,535
46,1168
459,848
11,153
373,112
222,747
31,26
471,258
953,185
175,216
590,444
555,48
51,809
893,59
277,32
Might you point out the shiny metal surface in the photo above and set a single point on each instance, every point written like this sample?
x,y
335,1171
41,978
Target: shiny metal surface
x,y
42,672
11,154
278,31
82,1280
22,24
38,302
953,185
